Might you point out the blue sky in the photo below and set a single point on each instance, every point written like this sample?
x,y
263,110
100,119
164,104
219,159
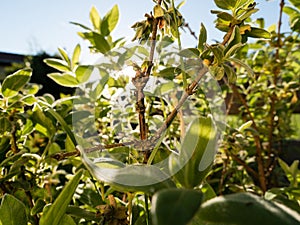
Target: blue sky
x,y
32,26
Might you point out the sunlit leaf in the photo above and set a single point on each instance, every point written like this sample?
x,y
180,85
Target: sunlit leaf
x,y
225,4
225,16
75,56
64,55
13,83
244,65
58,64
29,100
158,11
95,18
245,126
202,38
82,26
101,43
110,21
295,3
258,33
64,79
83,73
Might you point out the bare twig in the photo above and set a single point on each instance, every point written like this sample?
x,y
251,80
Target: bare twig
x,y
273,96
259,156
190,30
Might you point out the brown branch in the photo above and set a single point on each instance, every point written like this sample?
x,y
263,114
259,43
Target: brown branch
x,y
189,91
140,81
190,30
273,97
149,144
244,164
259,156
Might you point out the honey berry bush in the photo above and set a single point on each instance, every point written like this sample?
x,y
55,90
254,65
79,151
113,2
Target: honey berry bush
x,y
83,159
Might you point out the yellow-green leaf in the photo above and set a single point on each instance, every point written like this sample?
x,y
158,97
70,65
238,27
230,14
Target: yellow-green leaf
x,y
258,33
75,56
64,79
158,11
83,73
58,64
202,38
64,55
13,83
95,18
110,21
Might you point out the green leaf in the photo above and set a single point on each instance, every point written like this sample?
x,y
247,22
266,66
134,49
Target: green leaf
x,y
197,153
247,14
258,33
245,126
224,4
58,209
101,43
290,11
29,100
110,21
245,209
208,192
169,73
38,206
189,53
82,26
202,38
241,4
231,75
12,211
58,64
233,49
290,171
158,11
132,178
175,206
5,125
76,211
217,71
67,220
244,65
95,18
218,53
64,125
225,16
234,39
39,117
64,79
64,55
75,56
13,83
83,73
295,3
